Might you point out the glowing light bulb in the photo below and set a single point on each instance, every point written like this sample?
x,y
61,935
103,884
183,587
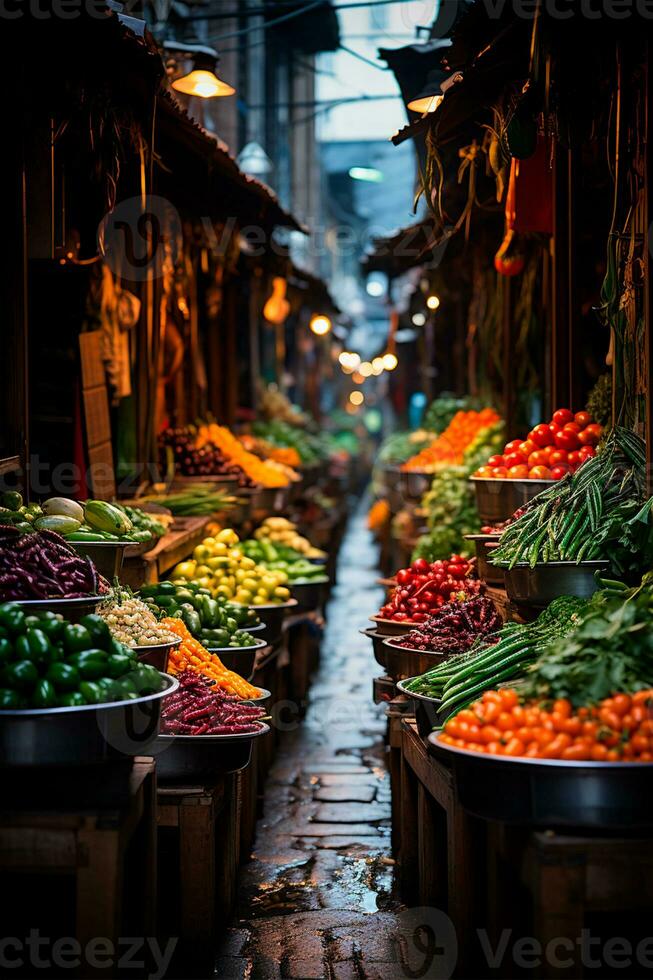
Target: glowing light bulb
x,y
366,369
433,302
357,398
419,319
390,361
378,366
320,325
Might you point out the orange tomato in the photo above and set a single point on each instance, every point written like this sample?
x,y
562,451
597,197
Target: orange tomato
x,y
621,703
518,472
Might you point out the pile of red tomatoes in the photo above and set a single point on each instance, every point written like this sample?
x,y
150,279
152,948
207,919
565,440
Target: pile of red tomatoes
x,y
424,587
549,452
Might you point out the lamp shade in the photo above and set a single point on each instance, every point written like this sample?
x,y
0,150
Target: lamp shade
x,y
202,81
430,96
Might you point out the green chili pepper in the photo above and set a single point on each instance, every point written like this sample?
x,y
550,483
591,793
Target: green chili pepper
x,y
71,699
65,677
20,674
76,638
43,695
91,692
12,618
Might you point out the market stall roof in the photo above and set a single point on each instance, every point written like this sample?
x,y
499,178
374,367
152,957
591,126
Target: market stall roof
x,y
242,195
315,288
404,249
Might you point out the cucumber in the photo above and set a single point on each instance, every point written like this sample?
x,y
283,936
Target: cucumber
x,y
58,523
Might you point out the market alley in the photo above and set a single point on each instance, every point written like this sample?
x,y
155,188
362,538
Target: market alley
x,y
315,900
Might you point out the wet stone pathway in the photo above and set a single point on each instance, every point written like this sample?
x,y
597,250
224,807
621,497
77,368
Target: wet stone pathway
x,y
316,898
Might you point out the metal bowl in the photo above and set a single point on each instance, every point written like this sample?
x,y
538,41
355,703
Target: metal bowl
x,y
91,734
551,792
390,628
272,617
427,713
378,640
239,659
413,484
71,609
491,574
538,586
157,654
402,662
264,695
191,757
497,500
107,556
309,595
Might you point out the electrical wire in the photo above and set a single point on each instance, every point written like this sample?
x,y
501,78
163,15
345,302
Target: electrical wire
x,y
261,11
266,24
361,57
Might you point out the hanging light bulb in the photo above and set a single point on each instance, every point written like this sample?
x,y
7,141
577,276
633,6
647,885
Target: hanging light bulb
x,y
366,369
202,81
320,324
390,361
378,367
277,307
433,302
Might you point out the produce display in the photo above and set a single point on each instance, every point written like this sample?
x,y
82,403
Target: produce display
x,y
200,500
549,452
196,708
505,657
281,531
450,502
450,446
265,473
454,627
279,454
281,558
617,729
400,446
132,622
41,565
442,409
190,459
278,433
424,588
598,513
219,565
87,521
47,662
214,622
192,656
273,404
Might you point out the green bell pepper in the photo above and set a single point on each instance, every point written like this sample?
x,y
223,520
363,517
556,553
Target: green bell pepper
x,y
12,618
119,664
98,630
90,663
9,699
43,695
6,650
76,638
20,674
71,699
65,677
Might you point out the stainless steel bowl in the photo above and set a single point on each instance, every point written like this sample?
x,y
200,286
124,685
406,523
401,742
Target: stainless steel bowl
x,y
92,734
538,586
272,617
427,710
391,628
239,659
378,641
414,483
157,654
497,500
263,696
107,556
402,662
491,574
184,757
309,595
550,792
71,609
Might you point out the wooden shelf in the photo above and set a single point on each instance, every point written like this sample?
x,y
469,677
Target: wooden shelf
x,y
10,464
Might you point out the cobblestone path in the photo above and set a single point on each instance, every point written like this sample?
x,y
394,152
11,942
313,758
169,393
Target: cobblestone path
x,y
315,900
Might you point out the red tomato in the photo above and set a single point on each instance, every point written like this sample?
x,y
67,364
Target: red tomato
x,y
541,436
587,452
526,448
573,458
591,434
562,416
553,427
558,456
566,440
515,459
499,472
496,460
518,472
571,427
557,472
512,447
538,458
540,473
582,419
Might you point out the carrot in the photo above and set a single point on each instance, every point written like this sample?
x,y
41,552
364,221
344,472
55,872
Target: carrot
x,y
191,655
